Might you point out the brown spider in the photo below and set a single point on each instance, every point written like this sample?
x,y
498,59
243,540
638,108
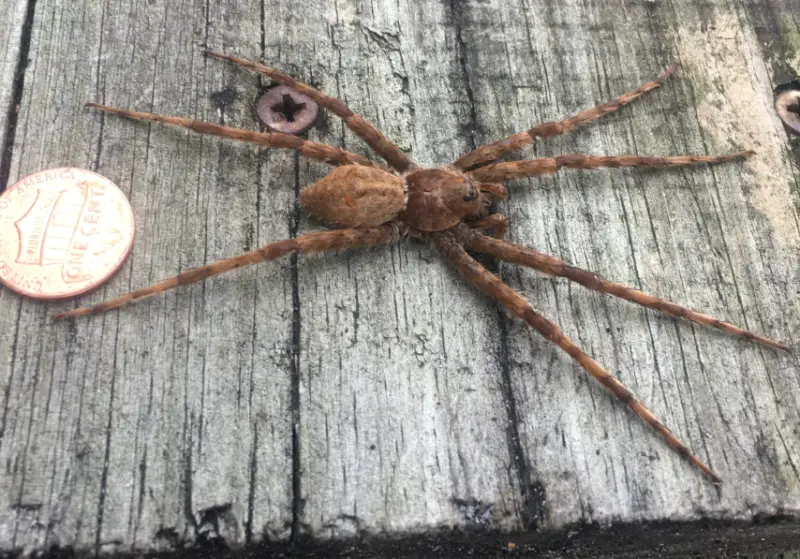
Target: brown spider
x,y
448,207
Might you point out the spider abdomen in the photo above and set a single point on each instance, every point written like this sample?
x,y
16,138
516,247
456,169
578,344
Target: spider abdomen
x,y
355,196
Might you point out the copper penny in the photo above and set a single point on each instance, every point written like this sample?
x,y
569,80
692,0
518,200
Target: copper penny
x,y
63,232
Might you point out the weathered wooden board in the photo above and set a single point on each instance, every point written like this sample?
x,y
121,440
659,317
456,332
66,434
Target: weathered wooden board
x,y
144,430
398,375
376,392
724,239
12,19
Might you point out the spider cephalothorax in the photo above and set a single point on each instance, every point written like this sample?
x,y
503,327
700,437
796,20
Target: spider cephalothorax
x,y
447,207
438,199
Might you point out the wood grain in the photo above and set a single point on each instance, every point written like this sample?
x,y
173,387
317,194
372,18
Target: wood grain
x,y
375,392
12,25
392,399
715,239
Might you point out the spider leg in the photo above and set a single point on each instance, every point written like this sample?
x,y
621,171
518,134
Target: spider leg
x,y
496,190
515,142
494,222
508,170
516,304
382,145
307,148
553,266
323,241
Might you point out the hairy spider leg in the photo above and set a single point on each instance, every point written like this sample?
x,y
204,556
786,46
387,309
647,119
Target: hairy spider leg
x,y
374,138
494,222
323,241
516,304
553,266
496,190
307,148
548,165
515,142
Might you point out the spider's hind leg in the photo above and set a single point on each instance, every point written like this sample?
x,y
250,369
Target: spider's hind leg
x,y
380,144
306,148
323,241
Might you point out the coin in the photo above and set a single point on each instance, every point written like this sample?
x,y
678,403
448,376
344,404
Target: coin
x,y
63,232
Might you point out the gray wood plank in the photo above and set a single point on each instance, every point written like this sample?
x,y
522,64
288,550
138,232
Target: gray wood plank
x,y
170,421
403,424
12,19
724,240
376,392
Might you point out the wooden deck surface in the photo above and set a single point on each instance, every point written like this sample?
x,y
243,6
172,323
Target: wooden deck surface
x,y
376,392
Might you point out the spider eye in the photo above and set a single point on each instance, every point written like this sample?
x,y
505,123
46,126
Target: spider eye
x,y
471,195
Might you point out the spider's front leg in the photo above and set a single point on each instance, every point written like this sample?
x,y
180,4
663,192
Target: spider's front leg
x,y
550,265
515,303
509,170
515,142
496,223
